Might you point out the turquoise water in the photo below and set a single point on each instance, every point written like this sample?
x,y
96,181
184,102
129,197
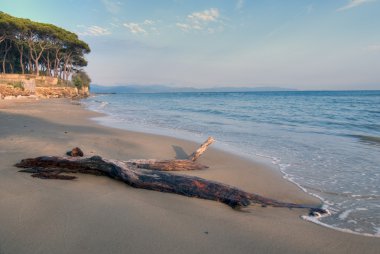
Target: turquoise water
x,y
328,143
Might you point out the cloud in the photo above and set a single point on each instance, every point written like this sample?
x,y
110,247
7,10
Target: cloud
x,y
148,22
112,6
239,4
183,27
94,31
205,16
374,47
145,27
135,28
200,21
354,3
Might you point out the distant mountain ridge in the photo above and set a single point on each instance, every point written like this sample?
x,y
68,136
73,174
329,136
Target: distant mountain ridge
x,y
168,89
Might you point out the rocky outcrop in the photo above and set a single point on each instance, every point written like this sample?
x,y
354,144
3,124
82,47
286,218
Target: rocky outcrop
x,y
57,92
6,91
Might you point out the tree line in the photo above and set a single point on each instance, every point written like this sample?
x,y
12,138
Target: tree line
x,y
29,47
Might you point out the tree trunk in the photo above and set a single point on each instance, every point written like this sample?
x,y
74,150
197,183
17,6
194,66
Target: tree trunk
x,y
2,38
21,61
20,49
38,57
35,55
168,165
65,66
57,60
66,61
30,67
36,67
136,175
48,69
6,50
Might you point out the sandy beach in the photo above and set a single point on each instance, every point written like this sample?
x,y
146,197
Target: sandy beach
x,y
100,215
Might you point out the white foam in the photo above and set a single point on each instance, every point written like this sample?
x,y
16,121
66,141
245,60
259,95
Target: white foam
x,y
345,214
377,231
103,104
345,230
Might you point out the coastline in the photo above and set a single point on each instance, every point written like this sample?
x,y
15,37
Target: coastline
x,y
99,215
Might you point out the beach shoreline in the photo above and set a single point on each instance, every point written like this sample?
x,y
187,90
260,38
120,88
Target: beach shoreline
x,y
99,215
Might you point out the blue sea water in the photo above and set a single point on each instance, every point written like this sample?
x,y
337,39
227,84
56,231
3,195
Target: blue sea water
x,y
326,142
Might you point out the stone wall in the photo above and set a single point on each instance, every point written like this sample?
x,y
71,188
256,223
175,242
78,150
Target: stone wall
x,y
10,92
17,86
28,78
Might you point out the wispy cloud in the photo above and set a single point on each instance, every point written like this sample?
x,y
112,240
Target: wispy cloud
x,y
94,31
145,27
135,28
112,6
354,3
239,4
183,26
200,20
204,16
148,22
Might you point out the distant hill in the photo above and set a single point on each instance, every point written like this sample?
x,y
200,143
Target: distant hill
x,y
168,89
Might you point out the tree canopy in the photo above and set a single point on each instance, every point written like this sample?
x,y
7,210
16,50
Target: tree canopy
x,y
38,48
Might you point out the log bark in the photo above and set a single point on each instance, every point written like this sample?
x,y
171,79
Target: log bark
x,y
201,149
168,165
135,175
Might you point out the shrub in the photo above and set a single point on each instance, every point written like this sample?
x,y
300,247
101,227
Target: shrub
x,y
80,79
17,84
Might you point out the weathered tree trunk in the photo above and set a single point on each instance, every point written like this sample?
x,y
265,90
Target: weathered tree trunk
x,y
168,165
150,175
134,174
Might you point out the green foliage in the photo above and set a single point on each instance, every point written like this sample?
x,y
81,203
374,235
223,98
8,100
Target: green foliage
x,y
17,84
77,82
81,79
39,46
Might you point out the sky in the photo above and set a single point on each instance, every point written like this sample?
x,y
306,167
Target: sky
x,y
301,44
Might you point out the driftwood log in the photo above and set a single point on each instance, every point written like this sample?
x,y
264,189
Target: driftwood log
x,y
151,175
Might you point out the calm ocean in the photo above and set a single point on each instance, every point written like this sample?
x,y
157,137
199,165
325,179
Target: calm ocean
x,y
328,143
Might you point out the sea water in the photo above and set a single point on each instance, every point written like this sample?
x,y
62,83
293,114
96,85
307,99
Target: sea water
x,y
328,143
